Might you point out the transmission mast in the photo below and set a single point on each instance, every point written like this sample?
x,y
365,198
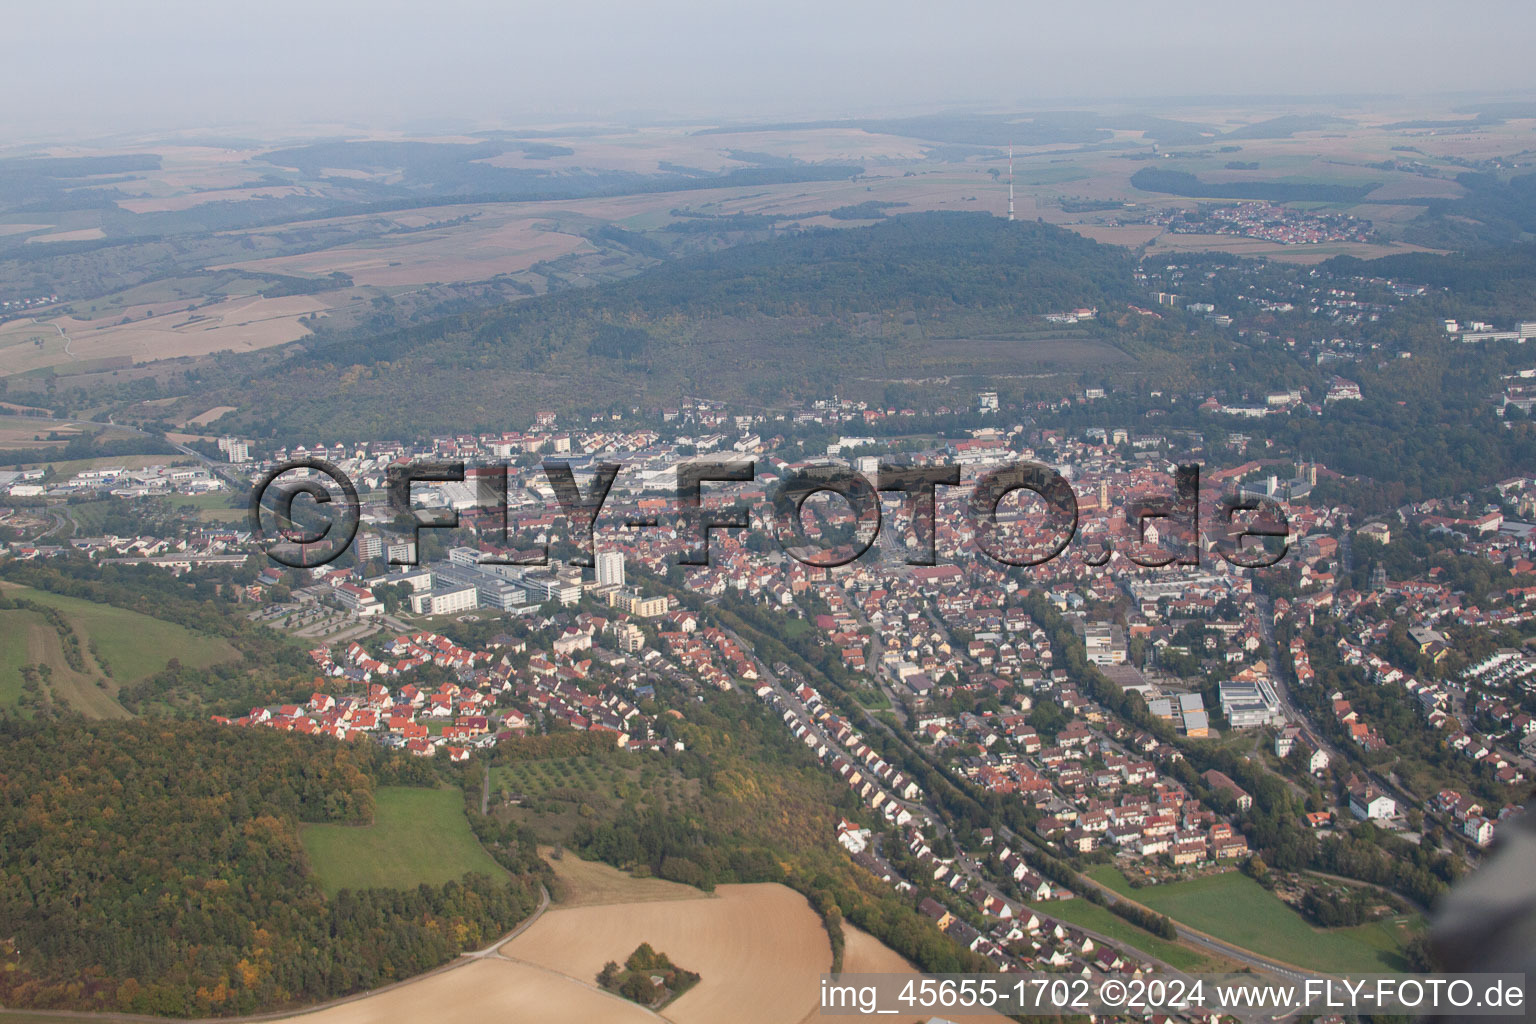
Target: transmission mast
x,y
1010,181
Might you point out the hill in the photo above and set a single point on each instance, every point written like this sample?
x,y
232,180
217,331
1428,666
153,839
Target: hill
x,y
903,297
1495,281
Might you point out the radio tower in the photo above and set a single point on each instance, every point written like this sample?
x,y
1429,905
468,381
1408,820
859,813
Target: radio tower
x,y
1010,181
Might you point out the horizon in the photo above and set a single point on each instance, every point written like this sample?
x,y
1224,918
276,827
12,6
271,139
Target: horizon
x,y
128,69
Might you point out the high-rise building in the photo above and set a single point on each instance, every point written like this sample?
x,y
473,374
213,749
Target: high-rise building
x,y
235,449
369,545
610,568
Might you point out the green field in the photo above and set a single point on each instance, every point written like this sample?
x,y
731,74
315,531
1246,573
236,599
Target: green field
x,y
133,646
217,507
417,836
1096,918
1235,908
16,624
68,467
215,500
795,628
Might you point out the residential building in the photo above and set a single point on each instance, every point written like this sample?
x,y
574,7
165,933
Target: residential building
x,y
610,568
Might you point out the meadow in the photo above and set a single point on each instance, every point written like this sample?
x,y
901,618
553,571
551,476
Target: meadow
x,y
1235,908
585,883
129,647
417,836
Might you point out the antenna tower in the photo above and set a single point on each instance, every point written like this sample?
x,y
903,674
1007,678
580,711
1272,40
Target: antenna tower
x,y
1010,181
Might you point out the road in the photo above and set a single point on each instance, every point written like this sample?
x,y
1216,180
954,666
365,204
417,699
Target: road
x,y
494,949
1189,935
971,869
219,469
1280,676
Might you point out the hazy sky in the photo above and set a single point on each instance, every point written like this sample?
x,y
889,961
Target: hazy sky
x,y
75,66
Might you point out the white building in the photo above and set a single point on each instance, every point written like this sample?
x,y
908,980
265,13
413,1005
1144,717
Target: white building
x,y
610,568
235,449
358,600
445,602
417,579
1286,739
1104,643
1368,803
853,838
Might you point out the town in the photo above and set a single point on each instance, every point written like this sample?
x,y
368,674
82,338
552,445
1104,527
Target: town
x,y
967,656
1124,710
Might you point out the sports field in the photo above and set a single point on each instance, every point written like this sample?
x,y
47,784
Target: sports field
x,y
1233,907
417,835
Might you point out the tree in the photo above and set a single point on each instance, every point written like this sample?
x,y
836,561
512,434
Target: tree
x,y
1255,868
637,987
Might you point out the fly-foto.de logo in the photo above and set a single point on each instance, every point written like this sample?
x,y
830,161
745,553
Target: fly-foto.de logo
x,y
307,535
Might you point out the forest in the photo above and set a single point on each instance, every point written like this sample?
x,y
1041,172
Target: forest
x,y
634,981
1182,183
760,321
155,867
1492,212
1500,278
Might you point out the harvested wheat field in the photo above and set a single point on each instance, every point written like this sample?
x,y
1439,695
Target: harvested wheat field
x,y
238,324
487,990
204,418
865,954
494,244
81,235
586,883
760,949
